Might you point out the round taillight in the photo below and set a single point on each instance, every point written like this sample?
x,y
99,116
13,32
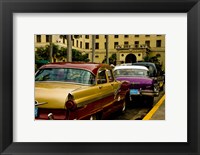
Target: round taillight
x,y
70,105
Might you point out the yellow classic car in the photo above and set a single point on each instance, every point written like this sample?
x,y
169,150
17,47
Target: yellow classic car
x,y
74,91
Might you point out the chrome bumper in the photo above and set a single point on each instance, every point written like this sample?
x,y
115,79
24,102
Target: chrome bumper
x,y
146,93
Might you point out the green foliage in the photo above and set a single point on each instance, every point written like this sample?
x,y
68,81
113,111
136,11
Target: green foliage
x,y
112,59
78,56
43,53
63,36
155,60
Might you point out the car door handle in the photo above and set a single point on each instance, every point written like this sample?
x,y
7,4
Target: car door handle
x,y
100,87
111,84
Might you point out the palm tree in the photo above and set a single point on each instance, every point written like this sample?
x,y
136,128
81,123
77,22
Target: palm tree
x,y
93,47
69,46
107,43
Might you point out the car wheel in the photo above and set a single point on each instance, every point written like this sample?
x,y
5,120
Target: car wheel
x,y
124,106
128,99
96,116
150,101
93,117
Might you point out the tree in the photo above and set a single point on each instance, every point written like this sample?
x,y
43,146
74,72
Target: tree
x,y
78,56
42,53
69,39
112,59
93,46
155,60
69,46
107,44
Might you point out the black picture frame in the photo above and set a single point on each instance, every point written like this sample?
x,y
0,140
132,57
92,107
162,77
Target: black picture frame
x,y
8,7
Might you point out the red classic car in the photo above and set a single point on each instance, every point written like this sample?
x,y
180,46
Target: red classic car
x,y
70,91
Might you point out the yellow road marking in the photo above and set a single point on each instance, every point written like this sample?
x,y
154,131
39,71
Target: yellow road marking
x,y
154,109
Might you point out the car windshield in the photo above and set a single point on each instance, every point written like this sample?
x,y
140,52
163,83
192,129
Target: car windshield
x,y
130,72
65,75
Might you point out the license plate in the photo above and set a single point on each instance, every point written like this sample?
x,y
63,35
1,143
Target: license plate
x,y
134,92
36,112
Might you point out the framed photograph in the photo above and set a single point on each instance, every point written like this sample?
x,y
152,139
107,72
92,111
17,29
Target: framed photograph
x,y
23,27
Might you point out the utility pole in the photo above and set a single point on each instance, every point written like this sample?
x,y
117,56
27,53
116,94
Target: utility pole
x,y
51,49
69,48
93,46
107,44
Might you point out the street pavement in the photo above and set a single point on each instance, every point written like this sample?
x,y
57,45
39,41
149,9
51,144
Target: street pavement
x,y
160,113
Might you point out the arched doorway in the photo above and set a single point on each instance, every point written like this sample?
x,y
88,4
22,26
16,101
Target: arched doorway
x,y
130,58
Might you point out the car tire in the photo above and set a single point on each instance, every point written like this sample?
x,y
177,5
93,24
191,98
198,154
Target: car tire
x,y
93,117
162,88
96,116
150,101
123,107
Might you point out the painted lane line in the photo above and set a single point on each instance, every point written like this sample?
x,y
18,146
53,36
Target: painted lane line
x,y
154,109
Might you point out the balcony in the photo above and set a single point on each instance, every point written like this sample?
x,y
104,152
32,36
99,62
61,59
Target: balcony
x,y
134,47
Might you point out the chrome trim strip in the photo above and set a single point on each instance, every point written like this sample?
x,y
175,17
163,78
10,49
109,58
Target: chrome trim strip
x,y
82,104
37,103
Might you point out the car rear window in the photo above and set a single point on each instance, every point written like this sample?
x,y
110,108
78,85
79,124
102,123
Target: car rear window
x,y
65,75
130,72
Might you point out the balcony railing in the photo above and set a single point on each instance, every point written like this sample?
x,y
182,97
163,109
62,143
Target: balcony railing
x,y
135,46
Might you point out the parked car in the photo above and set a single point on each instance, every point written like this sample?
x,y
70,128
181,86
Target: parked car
x,y
154,72
141,84
73,91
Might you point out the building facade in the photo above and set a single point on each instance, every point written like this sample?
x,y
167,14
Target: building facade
x,y
128,48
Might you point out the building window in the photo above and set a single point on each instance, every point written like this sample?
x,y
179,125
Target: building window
x,y
63,40
136,44
137,36
116,44
96,56
139,55
158,55
126,36
116,36
77,43
147,35
126,44
81,44
158,43
96,45
38,37
158,35
97,36
48,38
86,36
147,43
86,45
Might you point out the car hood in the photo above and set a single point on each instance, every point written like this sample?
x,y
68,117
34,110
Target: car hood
x,y
54,94
137,80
